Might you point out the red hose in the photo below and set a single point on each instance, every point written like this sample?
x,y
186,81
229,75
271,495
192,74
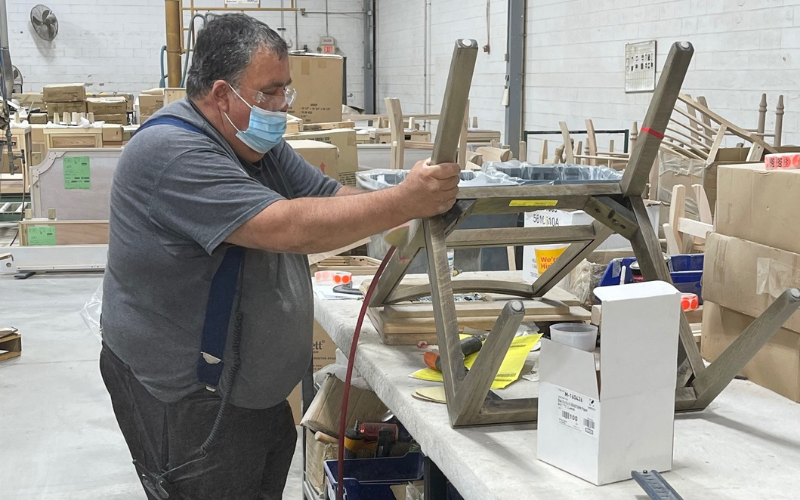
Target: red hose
x,y
349,376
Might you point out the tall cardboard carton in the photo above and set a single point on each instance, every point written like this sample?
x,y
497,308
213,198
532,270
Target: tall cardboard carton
x,y
747,277
318,81
323,156
776,366
345,140
759,205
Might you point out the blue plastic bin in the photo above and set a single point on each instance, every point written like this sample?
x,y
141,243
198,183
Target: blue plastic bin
x,y
372,478
686,272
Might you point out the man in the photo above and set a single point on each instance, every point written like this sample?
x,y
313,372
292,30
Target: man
x,y
204,178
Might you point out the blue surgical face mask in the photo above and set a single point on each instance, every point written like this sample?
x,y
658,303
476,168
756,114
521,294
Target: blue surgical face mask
x,y
265,130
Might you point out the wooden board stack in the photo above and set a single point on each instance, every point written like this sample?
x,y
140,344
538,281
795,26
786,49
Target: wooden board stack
x,y
409,323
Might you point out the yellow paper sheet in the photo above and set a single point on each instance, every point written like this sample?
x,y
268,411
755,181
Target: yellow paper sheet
x,y
509,370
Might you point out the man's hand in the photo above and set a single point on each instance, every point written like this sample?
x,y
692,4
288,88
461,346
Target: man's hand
x,y
429,190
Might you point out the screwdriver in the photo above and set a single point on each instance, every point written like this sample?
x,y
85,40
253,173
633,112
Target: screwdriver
x,y
469,345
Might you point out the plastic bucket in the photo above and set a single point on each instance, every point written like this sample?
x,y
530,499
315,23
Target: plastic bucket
x,y
546,255
578,335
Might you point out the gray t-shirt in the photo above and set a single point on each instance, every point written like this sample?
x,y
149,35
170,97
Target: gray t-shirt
x,y
176,196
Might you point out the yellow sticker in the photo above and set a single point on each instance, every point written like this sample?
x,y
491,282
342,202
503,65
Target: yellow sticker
x,y
533,203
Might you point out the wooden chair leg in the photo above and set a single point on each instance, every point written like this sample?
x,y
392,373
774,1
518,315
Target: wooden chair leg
x,y
677,209
567,143
779,122
398,136
591,141
462,140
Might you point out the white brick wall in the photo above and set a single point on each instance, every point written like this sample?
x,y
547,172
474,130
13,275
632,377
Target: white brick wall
x,y
575,57
400,57
116,45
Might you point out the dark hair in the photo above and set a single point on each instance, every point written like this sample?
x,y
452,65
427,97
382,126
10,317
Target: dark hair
x,y
225,48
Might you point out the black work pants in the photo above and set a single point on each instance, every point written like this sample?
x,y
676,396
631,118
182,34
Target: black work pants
x,y
249,458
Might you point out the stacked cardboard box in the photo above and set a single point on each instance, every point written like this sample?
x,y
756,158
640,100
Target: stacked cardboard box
x,y
68,98
113,136
318,81
37,118
325,415
152,100
30,100
342,138
109,109
129,98
324,355
754,257
319,154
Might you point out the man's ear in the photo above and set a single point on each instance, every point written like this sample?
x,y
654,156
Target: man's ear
x,y
220,94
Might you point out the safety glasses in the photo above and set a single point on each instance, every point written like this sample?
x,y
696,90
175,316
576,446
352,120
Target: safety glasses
x,y
271,102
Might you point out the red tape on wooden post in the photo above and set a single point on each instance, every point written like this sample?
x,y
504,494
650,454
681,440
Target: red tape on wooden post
x,y
654,133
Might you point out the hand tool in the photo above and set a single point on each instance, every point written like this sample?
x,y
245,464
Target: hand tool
x,y
325,438
655,485
386,439
353,443
371,431
469,345
347,290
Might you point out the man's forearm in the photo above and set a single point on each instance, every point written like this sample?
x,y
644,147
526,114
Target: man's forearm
x,y
350,191
313,225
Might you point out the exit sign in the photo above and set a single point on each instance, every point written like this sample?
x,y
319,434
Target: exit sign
x,y
327,44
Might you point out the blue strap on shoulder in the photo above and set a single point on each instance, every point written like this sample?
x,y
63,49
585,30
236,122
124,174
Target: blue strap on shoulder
x,y
224,285
168,120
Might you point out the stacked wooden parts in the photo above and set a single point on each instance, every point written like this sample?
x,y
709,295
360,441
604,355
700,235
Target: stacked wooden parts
x,y
695,132
694,148
574,153
401,137
685,235
468,160
402,131
10,343
408,323
698,132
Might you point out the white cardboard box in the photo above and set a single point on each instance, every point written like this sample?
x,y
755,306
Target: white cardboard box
x,y
601,425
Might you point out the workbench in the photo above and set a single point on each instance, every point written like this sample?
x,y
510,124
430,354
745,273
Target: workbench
x,y
746,445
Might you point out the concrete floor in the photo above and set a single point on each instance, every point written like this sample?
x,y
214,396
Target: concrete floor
x,y
58,436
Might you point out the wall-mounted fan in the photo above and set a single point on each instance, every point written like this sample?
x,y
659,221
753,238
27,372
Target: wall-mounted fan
x,y
44,22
